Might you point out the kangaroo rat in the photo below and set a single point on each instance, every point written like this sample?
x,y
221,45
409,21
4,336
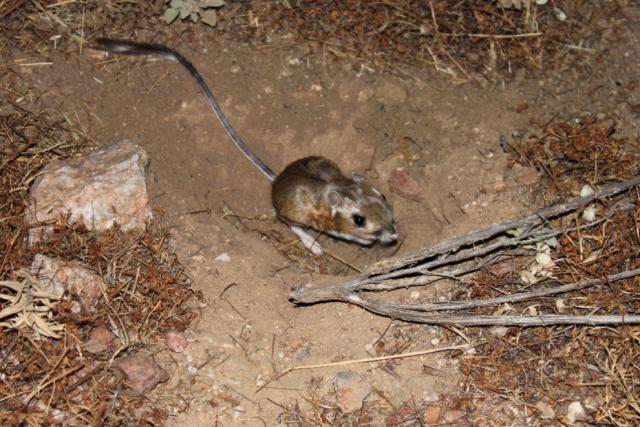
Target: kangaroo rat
x,y
309,193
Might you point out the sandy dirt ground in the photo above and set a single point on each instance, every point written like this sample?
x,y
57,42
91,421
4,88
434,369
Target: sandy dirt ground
x,y
245,262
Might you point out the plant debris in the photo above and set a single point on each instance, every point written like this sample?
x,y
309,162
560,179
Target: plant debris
x,y
27,304
460,39
46,374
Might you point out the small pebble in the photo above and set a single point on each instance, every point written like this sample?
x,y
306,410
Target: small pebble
x,y
589,213
141,372
431,415
586,190
522,107
99,341
501,268
175,341
453,415
403,184
351,390
576,412
528,177
224,257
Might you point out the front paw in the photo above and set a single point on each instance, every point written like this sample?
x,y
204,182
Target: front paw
x,y
315,248
308,241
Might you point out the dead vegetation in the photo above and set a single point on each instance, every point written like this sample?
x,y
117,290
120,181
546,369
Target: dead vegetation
x,y
462,40
467,41
597,365
147,291
47,374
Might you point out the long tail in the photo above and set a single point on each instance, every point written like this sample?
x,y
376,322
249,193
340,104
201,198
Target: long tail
x,y
124,47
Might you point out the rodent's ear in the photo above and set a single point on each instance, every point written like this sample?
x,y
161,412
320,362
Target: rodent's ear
x,y
356,177
333,197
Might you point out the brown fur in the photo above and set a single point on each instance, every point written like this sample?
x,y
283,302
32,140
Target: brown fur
x,y
313,192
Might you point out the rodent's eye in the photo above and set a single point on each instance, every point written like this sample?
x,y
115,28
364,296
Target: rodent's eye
x,y
358,220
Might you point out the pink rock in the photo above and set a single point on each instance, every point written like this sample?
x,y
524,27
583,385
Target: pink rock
x,y
404,185
501,268
141,373
528,176
57,276
99,341
453,415
351,390
497,186
175,341
99,189
431,415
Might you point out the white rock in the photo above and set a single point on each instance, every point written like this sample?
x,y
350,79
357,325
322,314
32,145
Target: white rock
x,y
586,190
560,14
576,412
544,259
224,257
589,213
97,190
57,276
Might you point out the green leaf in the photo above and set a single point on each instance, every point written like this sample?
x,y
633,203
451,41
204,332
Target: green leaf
x,y
177,4
194,17
170,15
516,231
184,13
210,17
211,3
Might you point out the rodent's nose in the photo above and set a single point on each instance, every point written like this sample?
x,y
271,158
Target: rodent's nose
x,y
389,236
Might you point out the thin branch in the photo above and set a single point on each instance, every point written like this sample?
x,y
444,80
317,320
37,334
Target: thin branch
x,y
487,320
539,217
366,360
517,297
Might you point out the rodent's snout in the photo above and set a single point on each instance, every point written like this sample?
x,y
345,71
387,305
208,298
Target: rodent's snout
x,y
389,235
